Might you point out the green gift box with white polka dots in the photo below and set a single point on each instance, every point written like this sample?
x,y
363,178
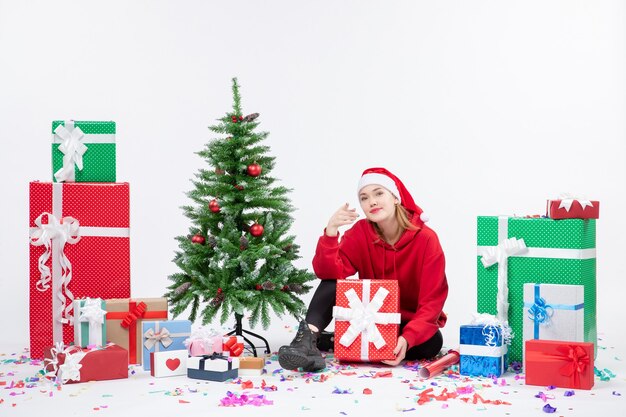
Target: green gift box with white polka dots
x,y
99,157
558,252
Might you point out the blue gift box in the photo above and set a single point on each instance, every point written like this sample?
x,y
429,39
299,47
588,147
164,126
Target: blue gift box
x,y
482,351
160,336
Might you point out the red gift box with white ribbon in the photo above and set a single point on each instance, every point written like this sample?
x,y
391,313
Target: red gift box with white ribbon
x,y
559,363
79,247
72,364
570,207
366,319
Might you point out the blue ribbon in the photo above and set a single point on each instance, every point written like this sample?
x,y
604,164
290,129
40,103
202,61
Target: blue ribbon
x,y
540,312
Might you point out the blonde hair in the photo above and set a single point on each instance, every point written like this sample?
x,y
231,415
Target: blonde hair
x,y
402,215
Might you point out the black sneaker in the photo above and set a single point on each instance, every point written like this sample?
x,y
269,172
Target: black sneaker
x,y
302,352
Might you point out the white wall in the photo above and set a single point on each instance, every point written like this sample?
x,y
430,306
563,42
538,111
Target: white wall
x,y
481,107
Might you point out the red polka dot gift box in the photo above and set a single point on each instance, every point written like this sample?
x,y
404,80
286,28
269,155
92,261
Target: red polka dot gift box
x,y
79,247
367,319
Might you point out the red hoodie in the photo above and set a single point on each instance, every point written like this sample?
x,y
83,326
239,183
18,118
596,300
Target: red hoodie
x,y
416,261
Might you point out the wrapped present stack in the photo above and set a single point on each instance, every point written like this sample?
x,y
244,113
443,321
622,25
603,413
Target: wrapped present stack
x,y
541,271
79,233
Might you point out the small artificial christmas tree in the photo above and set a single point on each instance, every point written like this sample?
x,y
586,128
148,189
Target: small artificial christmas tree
x,y
238,256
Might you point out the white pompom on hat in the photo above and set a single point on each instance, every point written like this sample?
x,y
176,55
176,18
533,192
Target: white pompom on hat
x,y
382,176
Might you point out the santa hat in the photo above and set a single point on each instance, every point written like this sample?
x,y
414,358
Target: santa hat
x,y
381,176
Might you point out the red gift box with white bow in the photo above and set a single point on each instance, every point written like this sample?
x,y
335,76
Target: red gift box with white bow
x,y
366,319
569,207
559,363
72,364
79,247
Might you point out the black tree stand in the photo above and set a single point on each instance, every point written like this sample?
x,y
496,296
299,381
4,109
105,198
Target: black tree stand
x,y
239,331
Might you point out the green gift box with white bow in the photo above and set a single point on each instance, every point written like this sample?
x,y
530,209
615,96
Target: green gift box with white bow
x,y
513,251
83,151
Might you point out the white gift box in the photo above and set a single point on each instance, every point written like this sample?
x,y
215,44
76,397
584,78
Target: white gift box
x,y
168,363
554,312
213,367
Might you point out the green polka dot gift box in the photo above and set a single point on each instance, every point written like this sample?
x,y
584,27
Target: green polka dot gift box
x,y
83,151
513,251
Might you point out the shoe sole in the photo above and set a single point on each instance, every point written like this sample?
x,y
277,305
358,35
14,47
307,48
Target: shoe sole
x,y
292,361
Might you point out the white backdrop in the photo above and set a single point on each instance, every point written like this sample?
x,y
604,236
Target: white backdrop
x,y
481,107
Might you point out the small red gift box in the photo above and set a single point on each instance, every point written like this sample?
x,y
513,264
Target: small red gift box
x,y
74,364
79,247
366,319
573,208
559,363
232,345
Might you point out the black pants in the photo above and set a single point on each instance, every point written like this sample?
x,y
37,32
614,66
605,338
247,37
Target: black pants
x,y
320,314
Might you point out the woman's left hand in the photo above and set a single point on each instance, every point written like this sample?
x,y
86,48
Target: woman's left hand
x,y
399,351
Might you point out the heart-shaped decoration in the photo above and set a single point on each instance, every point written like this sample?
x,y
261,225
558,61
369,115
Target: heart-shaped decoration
x,y
172,364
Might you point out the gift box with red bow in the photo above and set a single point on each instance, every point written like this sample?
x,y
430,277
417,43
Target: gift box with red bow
x,y
73,364
161,336
79,247
232,345
124,322
559,363
568,207
366,319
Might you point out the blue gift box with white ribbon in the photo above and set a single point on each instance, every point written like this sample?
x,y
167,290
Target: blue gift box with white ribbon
x,y
166,335
554,312
483,351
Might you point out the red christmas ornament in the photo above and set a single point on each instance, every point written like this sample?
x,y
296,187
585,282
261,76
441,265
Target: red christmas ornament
x,y
234,119
219,291
198,239
214,206
285,288
240,118
258,287
239,187
256,230
254,170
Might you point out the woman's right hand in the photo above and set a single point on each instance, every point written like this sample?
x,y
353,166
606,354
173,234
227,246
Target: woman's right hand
x,y
342,217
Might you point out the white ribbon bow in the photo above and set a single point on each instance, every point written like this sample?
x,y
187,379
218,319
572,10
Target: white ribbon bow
x,y
64,231
500,255
93,313
153,338
567,200
492,327
72,148
363,317
70,369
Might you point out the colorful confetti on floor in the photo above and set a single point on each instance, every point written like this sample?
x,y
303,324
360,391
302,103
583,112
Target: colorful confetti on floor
x,y
340,389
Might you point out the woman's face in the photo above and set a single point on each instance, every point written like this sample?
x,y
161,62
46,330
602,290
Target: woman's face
x,y
377,203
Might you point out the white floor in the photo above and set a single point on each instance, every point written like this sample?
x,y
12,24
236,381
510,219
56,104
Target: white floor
x,y
306,394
